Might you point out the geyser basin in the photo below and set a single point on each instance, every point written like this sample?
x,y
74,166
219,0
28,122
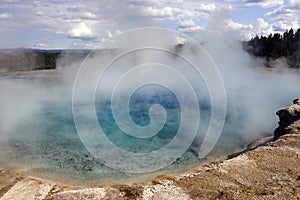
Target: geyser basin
x,y
38,134
46,142
117,76
49,125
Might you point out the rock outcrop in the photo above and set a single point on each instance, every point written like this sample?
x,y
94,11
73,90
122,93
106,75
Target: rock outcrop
x,y
270,171
288,120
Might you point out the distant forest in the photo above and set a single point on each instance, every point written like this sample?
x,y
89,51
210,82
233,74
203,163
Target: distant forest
x,y
277,46
285,47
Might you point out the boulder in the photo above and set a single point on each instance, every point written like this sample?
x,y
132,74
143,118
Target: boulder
x,y
287,116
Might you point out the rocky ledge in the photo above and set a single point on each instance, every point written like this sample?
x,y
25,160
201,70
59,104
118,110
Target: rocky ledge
x,y
289,122
269,171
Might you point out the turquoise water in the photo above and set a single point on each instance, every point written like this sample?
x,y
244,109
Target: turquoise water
x,y
50,143
47,143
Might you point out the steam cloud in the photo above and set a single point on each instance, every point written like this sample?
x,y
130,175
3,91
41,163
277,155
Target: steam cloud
x,y
254,92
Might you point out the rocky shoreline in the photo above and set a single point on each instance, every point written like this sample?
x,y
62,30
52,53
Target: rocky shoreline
x,y
268,169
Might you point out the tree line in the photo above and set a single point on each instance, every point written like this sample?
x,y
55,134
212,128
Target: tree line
x,y
276,46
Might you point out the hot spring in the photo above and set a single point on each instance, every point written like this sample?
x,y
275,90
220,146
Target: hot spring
x,y
49,124
45,142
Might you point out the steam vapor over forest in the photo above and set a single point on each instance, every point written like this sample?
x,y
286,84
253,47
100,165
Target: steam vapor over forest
x,y
272,47
277,46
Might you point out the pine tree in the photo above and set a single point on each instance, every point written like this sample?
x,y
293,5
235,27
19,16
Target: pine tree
x,y
276,46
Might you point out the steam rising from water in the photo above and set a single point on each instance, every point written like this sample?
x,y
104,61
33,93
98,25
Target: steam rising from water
x,y
254,92
40,108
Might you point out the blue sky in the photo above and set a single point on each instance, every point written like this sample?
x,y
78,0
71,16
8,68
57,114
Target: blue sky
x,y
53,24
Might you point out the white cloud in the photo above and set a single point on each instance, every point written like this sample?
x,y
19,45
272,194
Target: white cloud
x,y
206,7
186,23
233,25
282,13
284,18
264,3
261,27
81,30
5,15
110,34
282,26
191,30
10,1
240,31
89,21
295,3
40,45
166,12
83,45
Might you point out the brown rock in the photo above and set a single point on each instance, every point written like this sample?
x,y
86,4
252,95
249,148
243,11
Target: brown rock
x,y
88,193
7,181
28,189
287,116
